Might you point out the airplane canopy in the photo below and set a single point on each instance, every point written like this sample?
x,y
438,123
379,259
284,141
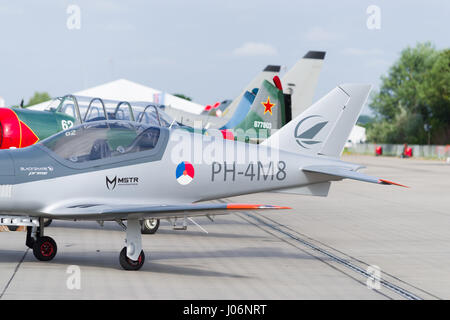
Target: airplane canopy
x,y
98,140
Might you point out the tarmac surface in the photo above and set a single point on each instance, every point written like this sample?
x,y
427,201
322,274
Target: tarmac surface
x,y
325,248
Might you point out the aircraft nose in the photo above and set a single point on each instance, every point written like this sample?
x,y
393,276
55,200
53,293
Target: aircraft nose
x,y
9,129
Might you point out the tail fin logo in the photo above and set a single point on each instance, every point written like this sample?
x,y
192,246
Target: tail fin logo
x,y
305,136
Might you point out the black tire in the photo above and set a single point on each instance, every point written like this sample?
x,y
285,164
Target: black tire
x,y
47,222
129,264
44,248
149,226
13,228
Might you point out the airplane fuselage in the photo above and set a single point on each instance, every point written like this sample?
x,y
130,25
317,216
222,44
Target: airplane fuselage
x,y
35,181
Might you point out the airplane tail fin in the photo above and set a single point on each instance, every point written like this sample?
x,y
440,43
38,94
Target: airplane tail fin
x,y
301,80
266,113
267,74
323,128
241,112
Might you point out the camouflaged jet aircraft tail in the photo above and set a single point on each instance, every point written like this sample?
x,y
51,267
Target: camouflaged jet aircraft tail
x,y
267,74
267,113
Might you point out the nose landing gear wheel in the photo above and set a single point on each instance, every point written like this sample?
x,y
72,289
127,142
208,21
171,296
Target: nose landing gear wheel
x,y
129,264
44,248
150,226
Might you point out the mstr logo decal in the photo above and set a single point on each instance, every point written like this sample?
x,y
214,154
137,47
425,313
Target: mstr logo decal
x,y
111,184
306,131
185,173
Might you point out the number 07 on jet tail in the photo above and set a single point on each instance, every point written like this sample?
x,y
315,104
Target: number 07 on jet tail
x,y
128,171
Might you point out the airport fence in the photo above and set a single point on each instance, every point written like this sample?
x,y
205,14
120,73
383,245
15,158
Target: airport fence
x,y
421,151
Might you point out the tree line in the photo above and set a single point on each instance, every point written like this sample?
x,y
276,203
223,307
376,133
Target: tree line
x,y
413,103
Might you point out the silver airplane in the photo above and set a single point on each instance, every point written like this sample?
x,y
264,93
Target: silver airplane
x,y
128,171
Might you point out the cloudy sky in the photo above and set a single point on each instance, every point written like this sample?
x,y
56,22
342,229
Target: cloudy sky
x,y
205,49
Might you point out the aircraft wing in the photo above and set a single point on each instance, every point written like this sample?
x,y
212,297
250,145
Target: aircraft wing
x,y
112,212
346,173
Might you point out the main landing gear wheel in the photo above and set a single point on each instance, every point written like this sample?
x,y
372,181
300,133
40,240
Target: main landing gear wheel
x,y
149,226
129,264
44,248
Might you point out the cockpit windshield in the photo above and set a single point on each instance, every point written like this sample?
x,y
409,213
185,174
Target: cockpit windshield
x,y
102,139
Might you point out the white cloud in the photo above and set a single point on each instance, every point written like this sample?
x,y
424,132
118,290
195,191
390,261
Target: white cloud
x,y
250,49
362,52
319,34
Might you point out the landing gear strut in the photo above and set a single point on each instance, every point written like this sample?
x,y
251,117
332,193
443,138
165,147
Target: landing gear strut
x,y
44,248
132,256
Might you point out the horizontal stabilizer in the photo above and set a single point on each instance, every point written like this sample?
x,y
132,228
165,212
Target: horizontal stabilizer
x,y
345,173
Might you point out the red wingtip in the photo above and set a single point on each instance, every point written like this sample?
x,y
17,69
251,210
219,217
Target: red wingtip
x,y
240,206
392,183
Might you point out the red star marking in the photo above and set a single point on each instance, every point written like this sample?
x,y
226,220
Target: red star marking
x,y
268,106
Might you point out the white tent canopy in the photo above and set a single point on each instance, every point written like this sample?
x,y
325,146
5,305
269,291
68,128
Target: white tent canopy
x,y
358,135
125,90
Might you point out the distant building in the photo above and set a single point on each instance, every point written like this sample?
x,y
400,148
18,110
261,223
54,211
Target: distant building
x,y
358,135
2,103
